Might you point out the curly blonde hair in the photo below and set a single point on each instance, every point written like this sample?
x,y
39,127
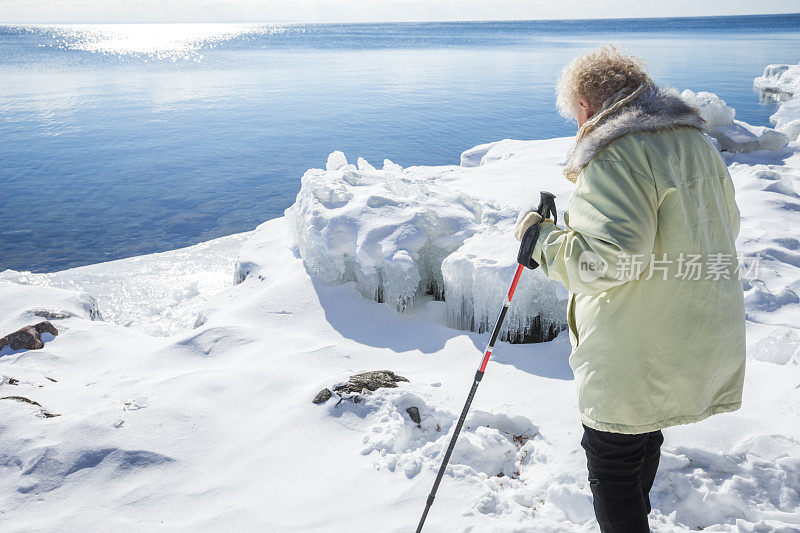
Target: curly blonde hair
x,y
596,77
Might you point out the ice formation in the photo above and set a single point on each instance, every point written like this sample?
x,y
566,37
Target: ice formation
x,y
476,280
780,78
395,237
782,82
732,135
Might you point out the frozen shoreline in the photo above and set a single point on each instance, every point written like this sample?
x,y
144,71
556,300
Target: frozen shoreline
x,y
212,427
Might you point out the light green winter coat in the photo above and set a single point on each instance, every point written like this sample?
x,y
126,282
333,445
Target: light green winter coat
x,y
650,353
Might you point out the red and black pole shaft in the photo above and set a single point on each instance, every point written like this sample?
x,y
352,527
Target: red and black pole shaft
x,y
546,208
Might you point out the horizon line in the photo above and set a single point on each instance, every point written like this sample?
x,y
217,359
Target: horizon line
x,y
427,21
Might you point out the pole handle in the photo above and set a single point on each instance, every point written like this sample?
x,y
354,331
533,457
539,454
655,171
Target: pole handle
x,y
547,209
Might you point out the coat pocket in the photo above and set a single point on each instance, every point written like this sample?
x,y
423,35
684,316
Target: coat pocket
x,y
573,328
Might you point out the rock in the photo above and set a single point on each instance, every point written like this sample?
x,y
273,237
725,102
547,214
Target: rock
x,y
322,396
29,337
373,380
413,412
52,314
42,412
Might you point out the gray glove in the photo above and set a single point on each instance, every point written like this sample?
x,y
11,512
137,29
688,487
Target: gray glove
x,y
527,220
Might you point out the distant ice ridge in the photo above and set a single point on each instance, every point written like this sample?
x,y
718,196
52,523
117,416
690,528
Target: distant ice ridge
x,y
732,135
782,82
402,238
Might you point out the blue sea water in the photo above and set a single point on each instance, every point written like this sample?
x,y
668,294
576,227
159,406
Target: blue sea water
x,y
118,140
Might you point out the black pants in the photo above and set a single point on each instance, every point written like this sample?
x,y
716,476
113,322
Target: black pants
x,y
621,472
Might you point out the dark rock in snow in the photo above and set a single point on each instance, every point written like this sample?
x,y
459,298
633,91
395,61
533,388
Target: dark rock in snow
x,y
373,380
322,396
29,337
413,412
42,412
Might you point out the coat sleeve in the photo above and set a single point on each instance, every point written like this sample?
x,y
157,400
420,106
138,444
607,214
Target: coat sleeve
x,y
612,218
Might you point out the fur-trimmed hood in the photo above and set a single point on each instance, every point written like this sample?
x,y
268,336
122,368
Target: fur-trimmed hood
x,y
648,108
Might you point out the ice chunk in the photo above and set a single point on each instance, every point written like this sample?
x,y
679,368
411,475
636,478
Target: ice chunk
x,y
786,117
732,135
336,160
782,346
780,78
387,233
390,234
782,83
363,164
391,166
742,137
712,108
476,280
791,128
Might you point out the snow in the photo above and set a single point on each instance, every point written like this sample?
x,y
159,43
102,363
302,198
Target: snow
x,y
159,293
732,135
23,305
168,427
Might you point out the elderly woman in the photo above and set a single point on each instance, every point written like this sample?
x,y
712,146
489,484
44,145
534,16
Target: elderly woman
x,y
656,312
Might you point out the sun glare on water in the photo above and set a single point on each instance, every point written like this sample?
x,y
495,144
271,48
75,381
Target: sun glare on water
x,y
154,41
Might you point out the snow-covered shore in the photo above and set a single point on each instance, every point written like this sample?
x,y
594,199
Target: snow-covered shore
x,y
167,427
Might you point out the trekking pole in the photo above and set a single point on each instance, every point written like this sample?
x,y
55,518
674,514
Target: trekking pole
x,y
547,207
